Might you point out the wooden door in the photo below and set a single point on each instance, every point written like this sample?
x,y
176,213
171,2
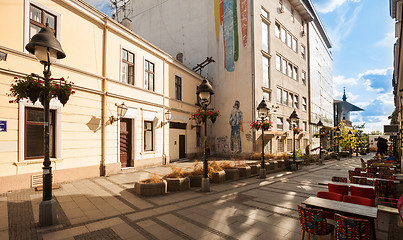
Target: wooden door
x,y
182,151
125,142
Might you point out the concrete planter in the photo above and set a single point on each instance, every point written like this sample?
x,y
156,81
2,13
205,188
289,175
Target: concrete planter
x,y
150,189
244,171
269,166
178,184
195,180
275,165
280,164
218,177
254,169
231,174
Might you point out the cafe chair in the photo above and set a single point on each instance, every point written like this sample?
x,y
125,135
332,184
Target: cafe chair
x,y
351,228
352,173
362,192
339,179
383,188
361,181
330,196
359,169
313,222
341,189
358,200
386,176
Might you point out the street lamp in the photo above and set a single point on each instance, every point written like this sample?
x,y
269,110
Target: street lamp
x,y
337,130
357,136
204,92
122,109
350,134
168,116
293,118
47,50
320,125
263,112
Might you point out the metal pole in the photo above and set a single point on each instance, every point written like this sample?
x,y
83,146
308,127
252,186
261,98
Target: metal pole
x,y
320,146
293,154
47,169
262,165
205,174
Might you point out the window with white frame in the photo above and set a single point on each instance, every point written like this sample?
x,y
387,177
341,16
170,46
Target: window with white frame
x,y
280,123
295,73
288,124
296,103
267,96
149,75
303,77
148,136
265,36
178,88
289,145
304,126
291,100
289,40
278,62
283,35
304,105
277,30
280,145
285,97
38,18
265,68
294,45
127,66
34,133
303,51
265,13
279,95
289,70
283,66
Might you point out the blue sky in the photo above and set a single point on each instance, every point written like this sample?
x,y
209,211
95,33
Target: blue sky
x,y
362,34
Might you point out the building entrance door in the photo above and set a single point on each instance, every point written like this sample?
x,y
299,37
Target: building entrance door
x,y
182,151
125,142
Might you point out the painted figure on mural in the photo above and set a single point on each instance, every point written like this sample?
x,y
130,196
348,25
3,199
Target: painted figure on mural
x,y
235,120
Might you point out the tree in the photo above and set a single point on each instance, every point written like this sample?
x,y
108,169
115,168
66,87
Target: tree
x,y
377,132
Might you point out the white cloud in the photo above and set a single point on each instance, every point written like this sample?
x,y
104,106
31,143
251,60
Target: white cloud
x,y
343,81
328,6
98,3
387,41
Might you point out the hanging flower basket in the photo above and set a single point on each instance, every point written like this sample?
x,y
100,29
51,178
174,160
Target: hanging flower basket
x,y
200,115
266,125
296,130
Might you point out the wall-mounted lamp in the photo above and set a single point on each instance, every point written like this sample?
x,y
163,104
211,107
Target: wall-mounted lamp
x,y
3,56
168,116
122,109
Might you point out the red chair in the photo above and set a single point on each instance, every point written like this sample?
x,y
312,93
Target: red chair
x,y
362,192
383,188
314,222
339,179
352,228
358,200
335,188
330,195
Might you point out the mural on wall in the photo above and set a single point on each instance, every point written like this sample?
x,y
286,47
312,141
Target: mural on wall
x,y
235,121
226,15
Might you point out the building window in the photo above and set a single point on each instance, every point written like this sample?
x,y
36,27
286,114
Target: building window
x,y
149,75
304,126
279,123
284,66
127,75
266,96
264,13
280,145
296,104
277,30
288,124
267,146
303,51
34,133
294,44
148,136
305,143
292,15
303,77
283,35
279,96
265,37
278,62
266,67
289,145
289,40
304,106
289,70
291,100
285,97
178,88
38,19
295,73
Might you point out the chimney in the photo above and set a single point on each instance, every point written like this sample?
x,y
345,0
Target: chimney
x,y
127,23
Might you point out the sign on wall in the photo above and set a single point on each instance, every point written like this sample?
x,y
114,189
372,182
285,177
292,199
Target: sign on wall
x,y
3,126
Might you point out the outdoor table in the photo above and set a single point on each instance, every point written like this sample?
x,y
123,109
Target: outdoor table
x,y
345,208
346,184
374,179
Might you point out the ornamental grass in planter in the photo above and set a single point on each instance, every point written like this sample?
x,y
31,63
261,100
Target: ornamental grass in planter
x,y
216,173
152,186
177,180
231,172
196,175
254,167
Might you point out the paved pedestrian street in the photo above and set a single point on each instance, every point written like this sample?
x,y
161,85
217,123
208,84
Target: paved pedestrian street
x,y
108,208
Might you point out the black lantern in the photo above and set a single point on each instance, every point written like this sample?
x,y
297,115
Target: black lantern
x,y
47,50
204,92
263,112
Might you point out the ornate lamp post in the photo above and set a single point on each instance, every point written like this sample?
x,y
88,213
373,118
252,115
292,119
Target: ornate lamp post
x,y
204,92
320,125
47,50
263,112
337,131
350,134
293,118
357,136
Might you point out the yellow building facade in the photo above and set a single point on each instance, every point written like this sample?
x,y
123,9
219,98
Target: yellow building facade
x,y
109,65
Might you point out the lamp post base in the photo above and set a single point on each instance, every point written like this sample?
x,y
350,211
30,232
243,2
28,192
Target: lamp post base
x,y
293,167
205,185
47,213
262,173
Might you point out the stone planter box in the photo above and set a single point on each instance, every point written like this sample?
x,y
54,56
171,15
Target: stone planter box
x,y
269,166
218,177
150,189
280,164
195,181
178,184
244,171
231,174
254,169
275,165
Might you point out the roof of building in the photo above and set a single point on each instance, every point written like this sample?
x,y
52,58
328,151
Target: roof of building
x,y
347,107
300,6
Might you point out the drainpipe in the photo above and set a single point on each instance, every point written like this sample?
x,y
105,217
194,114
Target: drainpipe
x,y
308,57
164,157
102,166
252,41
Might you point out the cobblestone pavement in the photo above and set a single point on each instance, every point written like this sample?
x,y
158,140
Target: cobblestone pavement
x,y
107,208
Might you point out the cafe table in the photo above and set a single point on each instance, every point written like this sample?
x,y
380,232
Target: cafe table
x,y
345,208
